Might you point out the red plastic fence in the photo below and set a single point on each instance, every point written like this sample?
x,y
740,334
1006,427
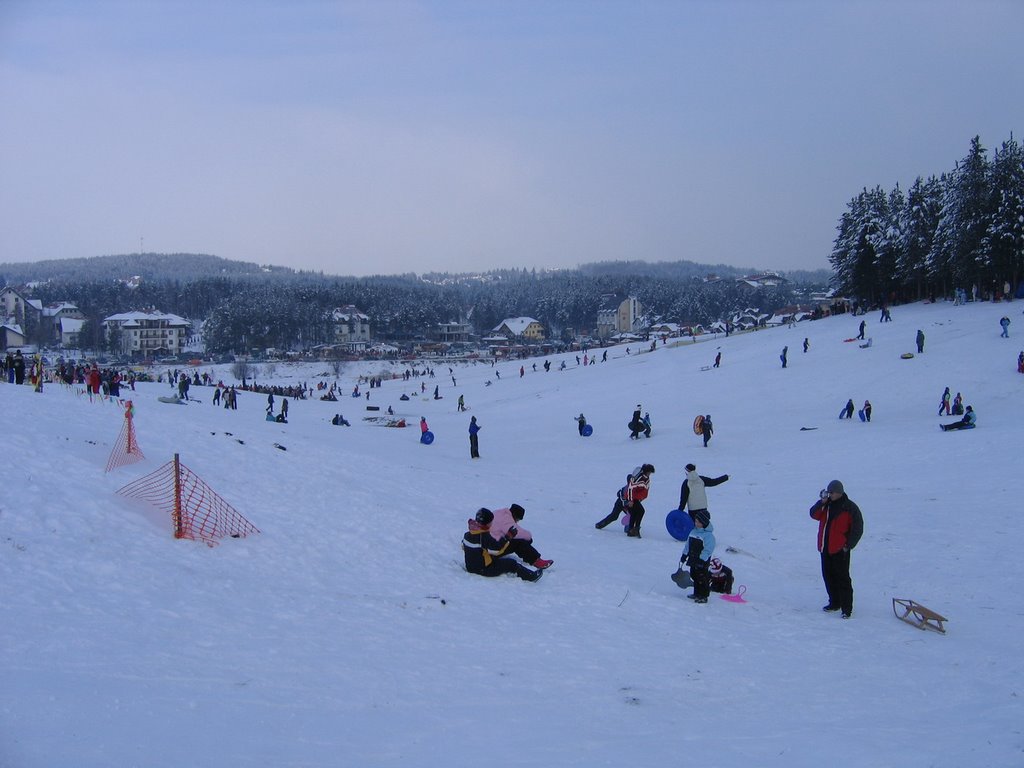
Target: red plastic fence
x,y
126,449
196,511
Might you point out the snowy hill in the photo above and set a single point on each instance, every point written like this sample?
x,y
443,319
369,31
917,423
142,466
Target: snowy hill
x,y
348,634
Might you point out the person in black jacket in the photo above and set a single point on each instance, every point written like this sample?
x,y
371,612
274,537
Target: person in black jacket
x,y
488,556
636,424
707,429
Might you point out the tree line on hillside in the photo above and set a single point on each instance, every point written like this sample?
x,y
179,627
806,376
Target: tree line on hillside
x,y
961,229
294,311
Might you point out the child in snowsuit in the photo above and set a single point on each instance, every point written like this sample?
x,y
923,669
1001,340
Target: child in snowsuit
x,y
581,422
697,552
944,403
867,410
847,412
488,556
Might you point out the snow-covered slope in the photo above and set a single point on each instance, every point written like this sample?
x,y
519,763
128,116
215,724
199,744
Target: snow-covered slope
x,y
348,634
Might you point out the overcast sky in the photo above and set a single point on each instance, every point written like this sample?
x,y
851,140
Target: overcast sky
x,y
384,137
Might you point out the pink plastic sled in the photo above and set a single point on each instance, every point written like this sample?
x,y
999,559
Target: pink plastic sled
x,y
738,597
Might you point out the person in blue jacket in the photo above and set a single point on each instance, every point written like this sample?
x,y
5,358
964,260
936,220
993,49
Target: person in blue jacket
x,y
474,446
967,422
697,553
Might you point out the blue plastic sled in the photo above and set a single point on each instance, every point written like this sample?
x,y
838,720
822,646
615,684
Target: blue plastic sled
x,y
679,525
587,430
863,416
427,437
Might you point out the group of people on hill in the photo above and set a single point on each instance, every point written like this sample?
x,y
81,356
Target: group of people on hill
x,y
955,407
495,544
848,409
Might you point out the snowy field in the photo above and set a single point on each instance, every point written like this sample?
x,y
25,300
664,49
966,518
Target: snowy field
x,y
348,634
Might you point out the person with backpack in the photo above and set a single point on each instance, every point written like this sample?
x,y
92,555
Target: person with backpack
x,y
840,527
630,499
486,555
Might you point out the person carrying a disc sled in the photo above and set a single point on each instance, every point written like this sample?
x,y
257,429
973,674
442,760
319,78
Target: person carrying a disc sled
x,y
487,556
629,499
637,424
967,422
509,519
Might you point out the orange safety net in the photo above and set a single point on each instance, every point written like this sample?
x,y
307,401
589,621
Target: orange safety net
x,y
196,511
126,449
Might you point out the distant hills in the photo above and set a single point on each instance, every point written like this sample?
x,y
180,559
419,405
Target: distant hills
x,y
191,266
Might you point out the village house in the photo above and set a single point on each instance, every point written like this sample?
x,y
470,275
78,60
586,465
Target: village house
x,y
147,334
519,329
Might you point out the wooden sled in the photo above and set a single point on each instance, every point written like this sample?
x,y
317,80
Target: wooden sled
x,y
918,616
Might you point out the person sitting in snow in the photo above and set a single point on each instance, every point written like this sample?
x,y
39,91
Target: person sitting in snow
x,y
958,405
967,422
697,553
488,556
629,499
508,519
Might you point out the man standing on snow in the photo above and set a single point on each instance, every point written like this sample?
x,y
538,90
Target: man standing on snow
x,y
840,526
692,493
474,446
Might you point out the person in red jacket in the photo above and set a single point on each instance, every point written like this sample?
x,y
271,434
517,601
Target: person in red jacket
x,y
630,499
840,527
